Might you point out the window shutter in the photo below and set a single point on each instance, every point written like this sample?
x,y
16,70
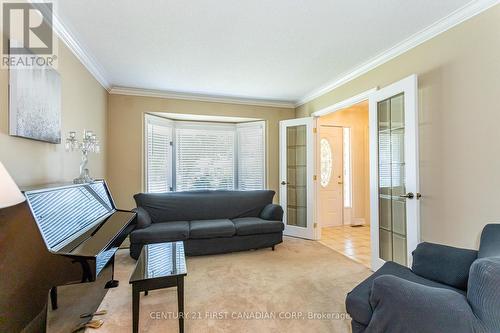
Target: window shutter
x,y
251,155
159,154
205,157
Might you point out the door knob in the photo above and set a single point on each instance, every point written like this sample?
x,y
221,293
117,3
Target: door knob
x,y
408,195
283,182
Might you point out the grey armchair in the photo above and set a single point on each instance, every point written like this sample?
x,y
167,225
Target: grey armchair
x,y
447,290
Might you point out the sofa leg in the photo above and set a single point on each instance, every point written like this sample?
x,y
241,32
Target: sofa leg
x,y
146,293
272,247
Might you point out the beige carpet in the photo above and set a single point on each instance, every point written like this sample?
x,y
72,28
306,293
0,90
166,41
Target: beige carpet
x,y
301,277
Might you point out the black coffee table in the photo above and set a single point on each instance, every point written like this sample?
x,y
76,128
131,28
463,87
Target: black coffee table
x,y
160,265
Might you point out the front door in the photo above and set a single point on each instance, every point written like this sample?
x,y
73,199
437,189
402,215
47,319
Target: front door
x,y
331,203
394,182
296,176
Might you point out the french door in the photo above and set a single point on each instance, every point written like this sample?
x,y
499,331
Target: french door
x,y
394,183
296,176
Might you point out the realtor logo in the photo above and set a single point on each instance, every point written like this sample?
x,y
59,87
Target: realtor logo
x,y
28,39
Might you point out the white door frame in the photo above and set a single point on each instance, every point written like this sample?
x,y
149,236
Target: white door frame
x,y
409,87
310,123
364,96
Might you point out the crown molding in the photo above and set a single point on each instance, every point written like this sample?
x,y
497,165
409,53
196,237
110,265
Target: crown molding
x,y
460,15
76,48
200,97
85,58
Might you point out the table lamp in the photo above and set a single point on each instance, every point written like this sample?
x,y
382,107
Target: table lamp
x,y
9,192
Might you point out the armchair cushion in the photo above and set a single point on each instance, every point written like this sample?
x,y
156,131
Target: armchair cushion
x,y
483,291
490,241
357,302
272,212
445,264
400,305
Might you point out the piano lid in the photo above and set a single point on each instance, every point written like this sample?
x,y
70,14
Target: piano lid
x,y
63,213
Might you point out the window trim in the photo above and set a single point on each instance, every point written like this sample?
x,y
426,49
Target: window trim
x,y
148,119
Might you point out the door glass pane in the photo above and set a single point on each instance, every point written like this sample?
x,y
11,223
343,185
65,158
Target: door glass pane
x,y
392,183
326,162
296,210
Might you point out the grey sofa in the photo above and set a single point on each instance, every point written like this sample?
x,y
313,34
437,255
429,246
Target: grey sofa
x,y
447,290
208,222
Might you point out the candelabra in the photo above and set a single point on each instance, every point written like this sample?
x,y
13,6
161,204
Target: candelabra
x,y
88,144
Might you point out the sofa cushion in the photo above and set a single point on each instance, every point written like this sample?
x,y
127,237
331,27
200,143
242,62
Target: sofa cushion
x,y
255,226
161,232
358,300
211,228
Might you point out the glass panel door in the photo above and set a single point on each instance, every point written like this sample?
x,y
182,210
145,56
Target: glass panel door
x,y
296,168
391,165
394,173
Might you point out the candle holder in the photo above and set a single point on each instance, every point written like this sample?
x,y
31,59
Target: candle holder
x,y
88,144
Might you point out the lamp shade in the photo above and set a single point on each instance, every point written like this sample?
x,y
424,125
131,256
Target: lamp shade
x,y
9,192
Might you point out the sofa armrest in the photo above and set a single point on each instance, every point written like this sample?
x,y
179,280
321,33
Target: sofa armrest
x,y
403,306
143,219
272,212
445,264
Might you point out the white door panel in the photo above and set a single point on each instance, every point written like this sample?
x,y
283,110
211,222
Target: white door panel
x,y
331,176
394,181
296,176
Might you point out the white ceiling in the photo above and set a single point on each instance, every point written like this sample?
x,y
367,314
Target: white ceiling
x,y
279,50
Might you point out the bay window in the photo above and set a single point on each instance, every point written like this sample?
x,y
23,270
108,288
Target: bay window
x,y
185,156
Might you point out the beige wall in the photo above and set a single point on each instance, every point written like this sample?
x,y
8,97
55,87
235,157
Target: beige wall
x,y
356,118
126,134
459,111
84,103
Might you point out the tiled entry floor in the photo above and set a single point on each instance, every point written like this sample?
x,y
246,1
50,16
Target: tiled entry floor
x,y
353,242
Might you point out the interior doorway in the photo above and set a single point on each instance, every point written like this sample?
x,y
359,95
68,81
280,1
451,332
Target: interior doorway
x,y
343,205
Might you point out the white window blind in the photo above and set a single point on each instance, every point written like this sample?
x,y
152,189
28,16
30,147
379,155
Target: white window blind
x,y
251,155
391,151
205,157
158,154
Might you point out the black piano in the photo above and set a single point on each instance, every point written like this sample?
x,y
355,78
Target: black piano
x,y
82,230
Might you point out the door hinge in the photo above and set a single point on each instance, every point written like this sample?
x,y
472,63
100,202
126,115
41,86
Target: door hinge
x,y
315,177
171,143
315,225
315,130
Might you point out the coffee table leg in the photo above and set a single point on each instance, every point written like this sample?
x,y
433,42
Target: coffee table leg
x,y
180,302
136,295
